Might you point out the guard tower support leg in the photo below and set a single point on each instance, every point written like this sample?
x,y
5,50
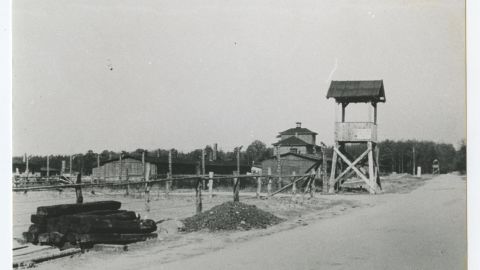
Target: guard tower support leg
x,y
332,173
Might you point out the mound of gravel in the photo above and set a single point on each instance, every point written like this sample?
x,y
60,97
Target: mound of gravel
x,y
231,216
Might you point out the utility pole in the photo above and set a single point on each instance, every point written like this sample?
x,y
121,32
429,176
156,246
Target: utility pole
x,y
413,169
170,162
238,159
203,162
279,167
71,158
26,166
48,167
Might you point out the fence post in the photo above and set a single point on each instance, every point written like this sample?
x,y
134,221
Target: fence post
x,y
198,196
236,187
203,168
170,170
259,185
269,177
78,190
127,191
210,184
147,187
167,184
325,181
312,184
294,187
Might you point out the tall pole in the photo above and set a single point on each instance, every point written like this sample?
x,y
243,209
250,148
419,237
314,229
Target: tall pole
x,y
324,169
413,169
279,167
71,158
170,162
143,164
48,166
120,160
238,159
203,161
26,166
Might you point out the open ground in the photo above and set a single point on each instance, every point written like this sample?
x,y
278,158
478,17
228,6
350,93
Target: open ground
x,y
415,224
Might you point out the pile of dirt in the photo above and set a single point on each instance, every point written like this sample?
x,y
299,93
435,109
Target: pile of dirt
x,y
231,216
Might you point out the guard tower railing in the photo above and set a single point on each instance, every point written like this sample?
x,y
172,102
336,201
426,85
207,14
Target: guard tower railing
x,y
355,132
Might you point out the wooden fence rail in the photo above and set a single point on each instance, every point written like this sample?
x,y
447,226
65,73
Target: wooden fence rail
x,y
146,184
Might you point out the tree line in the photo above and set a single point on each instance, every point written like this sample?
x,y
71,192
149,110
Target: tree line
x,y
395,156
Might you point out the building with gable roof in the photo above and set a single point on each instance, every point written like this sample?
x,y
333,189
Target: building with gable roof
x,y
298,152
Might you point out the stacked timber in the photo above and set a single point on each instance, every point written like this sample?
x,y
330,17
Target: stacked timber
x,y
86,224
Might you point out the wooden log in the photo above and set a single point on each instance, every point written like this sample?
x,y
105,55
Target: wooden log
x,y
38,219
41,219
52,238
78,190
89,224
30,249
30,237
66,209
19,247
45,255
110,247
37,228
114,238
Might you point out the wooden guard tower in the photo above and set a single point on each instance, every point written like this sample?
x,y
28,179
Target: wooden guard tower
x,y
345,92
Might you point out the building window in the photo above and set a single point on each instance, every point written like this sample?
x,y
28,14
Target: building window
x,y
294,150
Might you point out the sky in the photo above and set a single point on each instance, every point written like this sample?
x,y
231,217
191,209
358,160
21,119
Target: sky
x,y
122,75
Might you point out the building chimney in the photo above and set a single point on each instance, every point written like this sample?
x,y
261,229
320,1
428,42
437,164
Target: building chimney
x,y
299,124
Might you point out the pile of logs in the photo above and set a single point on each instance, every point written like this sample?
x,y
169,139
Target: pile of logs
x,y
87,224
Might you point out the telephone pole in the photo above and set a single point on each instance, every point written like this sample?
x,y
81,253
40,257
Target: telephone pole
x,y
413,169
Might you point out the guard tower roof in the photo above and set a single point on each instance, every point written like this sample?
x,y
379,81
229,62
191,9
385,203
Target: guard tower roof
x,y
357,91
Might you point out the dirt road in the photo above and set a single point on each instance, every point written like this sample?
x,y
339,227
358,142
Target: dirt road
x,y
421,229
424,229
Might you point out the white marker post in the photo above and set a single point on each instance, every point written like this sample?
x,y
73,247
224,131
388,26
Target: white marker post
x,y
210,184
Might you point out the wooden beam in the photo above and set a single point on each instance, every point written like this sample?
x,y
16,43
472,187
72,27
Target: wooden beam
x,y
236,187
78,190
353,164
287,186
331,188
359,173
198,193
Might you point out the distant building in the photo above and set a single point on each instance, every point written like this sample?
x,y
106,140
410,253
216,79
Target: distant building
x,y
119,169
298,151
51,171
297,140
114,169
